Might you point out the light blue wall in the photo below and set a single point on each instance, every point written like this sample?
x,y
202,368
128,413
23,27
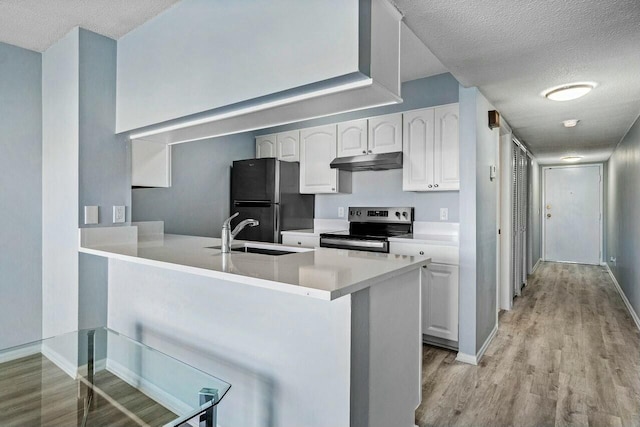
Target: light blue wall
x,y
198,200
623,213
20,196
384,188
478,222
104,159
203,54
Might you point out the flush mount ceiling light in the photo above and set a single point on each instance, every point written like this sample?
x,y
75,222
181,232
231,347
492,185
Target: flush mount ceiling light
x,y
571,159
570,123
568,92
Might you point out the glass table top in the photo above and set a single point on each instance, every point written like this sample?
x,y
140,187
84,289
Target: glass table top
x,y
100,377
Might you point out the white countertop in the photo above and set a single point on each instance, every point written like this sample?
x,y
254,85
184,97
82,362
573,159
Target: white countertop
x,y
321,273
428,239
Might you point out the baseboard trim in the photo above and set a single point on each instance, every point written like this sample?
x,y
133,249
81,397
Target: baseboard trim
x,y
474,359
60,361
20,352
147,387
632,312
536,265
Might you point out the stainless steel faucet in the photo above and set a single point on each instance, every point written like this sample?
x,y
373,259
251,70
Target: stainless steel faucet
x,y
228,235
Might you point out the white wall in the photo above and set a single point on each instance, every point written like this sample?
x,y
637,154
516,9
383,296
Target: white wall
x,y
60,130
20,196
202,54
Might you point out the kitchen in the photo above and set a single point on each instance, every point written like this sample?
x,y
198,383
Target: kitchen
x,y
313,223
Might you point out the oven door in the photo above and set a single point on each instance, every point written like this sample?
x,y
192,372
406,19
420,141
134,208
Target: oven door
x,y
327,241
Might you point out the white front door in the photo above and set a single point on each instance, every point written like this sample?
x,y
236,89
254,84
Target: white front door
x,y
572,214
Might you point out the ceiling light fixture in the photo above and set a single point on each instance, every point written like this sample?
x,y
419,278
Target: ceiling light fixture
x,y
571,159
568,92
570,123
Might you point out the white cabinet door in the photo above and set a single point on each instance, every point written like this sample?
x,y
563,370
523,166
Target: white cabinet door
x,y
302,241
150,164
265,146
440,301
352,138
288,146
447,148
417,150
318,148
385,134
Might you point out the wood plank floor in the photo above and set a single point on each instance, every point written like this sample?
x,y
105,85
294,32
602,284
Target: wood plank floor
x,y
35,392
568,354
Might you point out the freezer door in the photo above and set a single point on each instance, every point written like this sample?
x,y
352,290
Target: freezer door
x,y
255,180
266,213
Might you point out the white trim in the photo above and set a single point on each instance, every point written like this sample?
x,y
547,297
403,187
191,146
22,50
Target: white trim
x,y
170,402
475,359
544,203
536,265
20,352
60,361
632,312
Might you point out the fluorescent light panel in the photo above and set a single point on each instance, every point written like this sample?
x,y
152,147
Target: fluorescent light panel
x,y
256,108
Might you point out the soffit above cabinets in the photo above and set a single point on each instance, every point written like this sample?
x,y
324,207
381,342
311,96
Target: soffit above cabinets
x,y
375,82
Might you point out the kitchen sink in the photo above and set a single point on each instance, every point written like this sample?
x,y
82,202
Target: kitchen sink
x,y
253,248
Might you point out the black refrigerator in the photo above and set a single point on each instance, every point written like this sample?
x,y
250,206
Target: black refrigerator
x,y
269,190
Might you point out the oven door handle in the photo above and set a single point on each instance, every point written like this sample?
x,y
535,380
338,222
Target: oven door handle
x,y
353,244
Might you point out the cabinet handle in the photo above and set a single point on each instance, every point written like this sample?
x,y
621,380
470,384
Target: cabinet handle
x,y
370,151
333,189
299,243
364,151
436,185
430,186
421,252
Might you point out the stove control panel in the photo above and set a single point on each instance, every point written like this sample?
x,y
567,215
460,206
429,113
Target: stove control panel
x,y
389,215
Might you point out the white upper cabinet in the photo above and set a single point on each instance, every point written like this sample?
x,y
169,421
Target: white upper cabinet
x,y
318,147
431,149
288,146
265,146
352,138
150,164
417,153
447,148
385,134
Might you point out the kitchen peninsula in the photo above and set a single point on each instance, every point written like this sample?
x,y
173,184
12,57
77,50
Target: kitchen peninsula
x,y
314,337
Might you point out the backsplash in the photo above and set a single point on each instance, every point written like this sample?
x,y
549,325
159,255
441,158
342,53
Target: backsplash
x,y
384,188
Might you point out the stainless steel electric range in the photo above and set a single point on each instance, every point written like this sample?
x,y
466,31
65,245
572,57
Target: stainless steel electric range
x,y
370,229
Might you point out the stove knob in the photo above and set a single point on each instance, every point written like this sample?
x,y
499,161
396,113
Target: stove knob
x,y
398,214
350,212
404,214
358,213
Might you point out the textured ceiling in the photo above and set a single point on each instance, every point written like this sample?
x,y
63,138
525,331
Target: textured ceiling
x,y
416,60
37,24
514,49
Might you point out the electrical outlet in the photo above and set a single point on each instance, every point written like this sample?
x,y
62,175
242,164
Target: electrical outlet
x,y
118,214
444,214
91,215
341,212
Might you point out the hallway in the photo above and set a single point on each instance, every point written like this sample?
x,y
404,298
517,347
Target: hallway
x,y
568,354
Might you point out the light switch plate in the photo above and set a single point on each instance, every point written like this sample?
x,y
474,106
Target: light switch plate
x,y
91,215
341,212
444,214
118,214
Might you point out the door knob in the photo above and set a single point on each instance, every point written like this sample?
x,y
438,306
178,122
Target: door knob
x,y
548,215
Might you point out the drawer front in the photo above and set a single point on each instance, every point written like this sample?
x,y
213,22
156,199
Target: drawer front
x,y
438,254
301,241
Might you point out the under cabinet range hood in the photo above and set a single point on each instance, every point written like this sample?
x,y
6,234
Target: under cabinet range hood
x,y
369,162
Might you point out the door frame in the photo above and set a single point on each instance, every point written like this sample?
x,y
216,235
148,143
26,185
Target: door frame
x,y
544,204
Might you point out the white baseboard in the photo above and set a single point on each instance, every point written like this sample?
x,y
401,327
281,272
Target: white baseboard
x,y
164,398
632,312
536,265
19,353
474,359
60,361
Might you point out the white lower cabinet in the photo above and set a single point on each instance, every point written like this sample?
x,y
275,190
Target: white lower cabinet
x,y
301,241
440,301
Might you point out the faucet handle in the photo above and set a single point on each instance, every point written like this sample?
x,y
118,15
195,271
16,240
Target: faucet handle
x,y
227,222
